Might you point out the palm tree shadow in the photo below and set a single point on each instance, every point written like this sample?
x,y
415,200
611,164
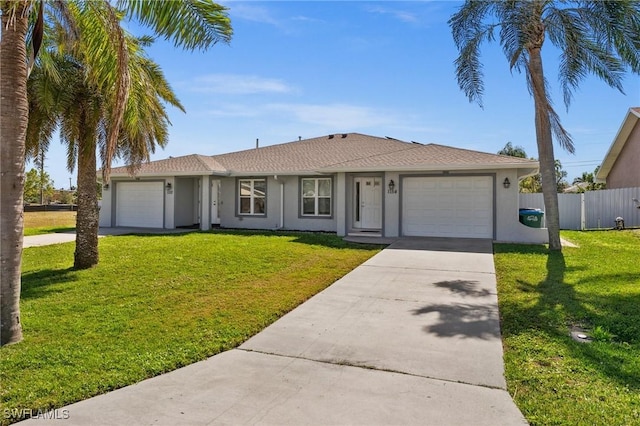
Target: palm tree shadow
x,y
559,308
467,320
42,283
462,320
464,288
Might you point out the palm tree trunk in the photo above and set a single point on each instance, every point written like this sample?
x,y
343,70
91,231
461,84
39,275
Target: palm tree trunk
x,y
86,254
14,115
545,149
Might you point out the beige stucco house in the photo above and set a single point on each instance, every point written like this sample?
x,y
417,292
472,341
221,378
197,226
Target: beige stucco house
x,y
621,166
350,184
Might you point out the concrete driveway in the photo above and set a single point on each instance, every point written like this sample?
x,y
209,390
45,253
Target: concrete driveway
x,y
409,337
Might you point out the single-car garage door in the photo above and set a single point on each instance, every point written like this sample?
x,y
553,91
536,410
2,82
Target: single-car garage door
x,y
452,206
140,204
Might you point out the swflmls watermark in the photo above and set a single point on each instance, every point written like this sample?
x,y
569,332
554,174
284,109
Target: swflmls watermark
x,y
25,413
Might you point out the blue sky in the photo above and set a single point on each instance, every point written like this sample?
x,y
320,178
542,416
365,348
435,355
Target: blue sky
x,y
383,68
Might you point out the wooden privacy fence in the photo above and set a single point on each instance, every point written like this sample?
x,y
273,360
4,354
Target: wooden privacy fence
x,y
592,209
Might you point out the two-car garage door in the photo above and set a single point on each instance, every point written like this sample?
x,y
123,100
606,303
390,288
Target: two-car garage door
x,y
452,206
140,204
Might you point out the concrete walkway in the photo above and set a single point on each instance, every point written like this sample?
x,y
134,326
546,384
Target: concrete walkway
x,y
409,337
65,237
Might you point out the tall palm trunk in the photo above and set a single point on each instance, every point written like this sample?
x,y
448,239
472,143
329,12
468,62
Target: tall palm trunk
x,y
14,114
545,148
86,254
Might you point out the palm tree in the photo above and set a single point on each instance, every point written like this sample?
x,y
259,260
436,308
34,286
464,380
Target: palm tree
x,y
190,24
513,151
595,37
13,126
84,120
588,179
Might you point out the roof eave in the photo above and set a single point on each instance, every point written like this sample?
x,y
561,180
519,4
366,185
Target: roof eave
x,y
434,167
167,174
242,173
617,145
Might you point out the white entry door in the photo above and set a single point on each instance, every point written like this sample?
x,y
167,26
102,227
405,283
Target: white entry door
x,y
215,200
368,203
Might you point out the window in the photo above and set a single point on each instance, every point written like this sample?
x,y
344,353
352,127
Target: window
x,y
252,194
316,197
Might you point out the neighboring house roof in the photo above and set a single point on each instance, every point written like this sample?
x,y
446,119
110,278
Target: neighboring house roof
x,y
334,153
578,187
630,121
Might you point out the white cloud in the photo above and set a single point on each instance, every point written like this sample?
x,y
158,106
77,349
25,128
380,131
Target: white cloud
x,y
306,19
252,12
238,84
234,110
337,116
318,118
401,15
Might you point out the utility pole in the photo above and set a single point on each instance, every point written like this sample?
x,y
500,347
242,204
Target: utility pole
x,y
41,179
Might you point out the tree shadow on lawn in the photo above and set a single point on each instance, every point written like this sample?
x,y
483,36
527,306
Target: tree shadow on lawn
x,y
326,239
558,308
41,283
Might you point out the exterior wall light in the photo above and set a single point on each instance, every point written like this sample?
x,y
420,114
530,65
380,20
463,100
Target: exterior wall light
x,y
506,183
392,187
169,188
105,186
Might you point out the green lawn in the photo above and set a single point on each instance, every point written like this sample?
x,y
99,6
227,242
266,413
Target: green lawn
x,y
37,223
153,304
554,379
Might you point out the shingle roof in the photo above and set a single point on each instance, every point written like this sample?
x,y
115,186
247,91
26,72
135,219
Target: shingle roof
x,y
432,156
188,164
309,155
340,152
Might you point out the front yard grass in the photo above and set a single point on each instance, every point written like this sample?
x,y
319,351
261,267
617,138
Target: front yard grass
x,y
37,223
153,304
554,379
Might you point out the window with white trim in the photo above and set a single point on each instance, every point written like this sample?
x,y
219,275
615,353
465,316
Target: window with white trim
x,y
316,196
252,196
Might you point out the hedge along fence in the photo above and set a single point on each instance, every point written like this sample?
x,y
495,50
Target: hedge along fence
x,y
593,209
50,207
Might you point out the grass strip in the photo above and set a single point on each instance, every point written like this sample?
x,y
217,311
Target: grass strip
x,y
153,304
554,379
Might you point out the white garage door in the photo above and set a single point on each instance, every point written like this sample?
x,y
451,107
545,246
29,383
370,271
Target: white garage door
x,y
140,204
448,206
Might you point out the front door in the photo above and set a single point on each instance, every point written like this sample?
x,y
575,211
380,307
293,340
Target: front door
x,y
215,200
368,203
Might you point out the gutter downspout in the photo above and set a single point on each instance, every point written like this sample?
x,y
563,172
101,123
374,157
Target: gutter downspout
x,y
275,177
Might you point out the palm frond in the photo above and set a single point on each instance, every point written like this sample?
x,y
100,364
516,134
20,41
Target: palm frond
x,y
469,32
513,37
190,24
616,24
563,137
584,51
